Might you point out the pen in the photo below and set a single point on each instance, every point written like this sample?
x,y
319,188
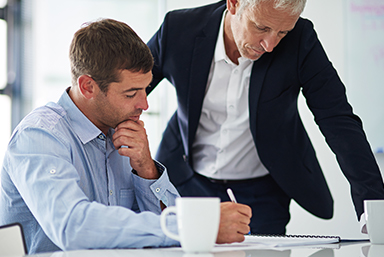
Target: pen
x,y
231,195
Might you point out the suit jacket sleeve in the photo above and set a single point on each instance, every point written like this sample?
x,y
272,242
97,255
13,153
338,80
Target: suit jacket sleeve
x,y
343,131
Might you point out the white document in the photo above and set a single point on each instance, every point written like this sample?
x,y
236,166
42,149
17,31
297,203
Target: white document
x,y
283,242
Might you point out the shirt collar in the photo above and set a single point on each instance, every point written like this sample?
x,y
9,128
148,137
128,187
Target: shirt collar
x,y
82,126
220,49
220,53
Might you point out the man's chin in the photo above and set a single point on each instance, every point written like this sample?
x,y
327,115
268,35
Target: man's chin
x,y
252,55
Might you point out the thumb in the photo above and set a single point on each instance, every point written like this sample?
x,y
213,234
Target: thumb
x,y
140,122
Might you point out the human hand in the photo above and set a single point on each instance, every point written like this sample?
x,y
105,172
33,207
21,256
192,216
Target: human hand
x,y
130,138
234,220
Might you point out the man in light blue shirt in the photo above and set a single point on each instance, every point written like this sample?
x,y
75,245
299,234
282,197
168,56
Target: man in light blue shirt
x,y
78,173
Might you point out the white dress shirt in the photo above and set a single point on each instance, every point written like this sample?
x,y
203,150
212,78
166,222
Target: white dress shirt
x,y
224,147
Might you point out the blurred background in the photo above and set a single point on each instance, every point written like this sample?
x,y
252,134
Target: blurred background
x,y
34,69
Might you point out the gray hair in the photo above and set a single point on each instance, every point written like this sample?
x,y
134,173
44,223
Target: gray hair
x,y
296,7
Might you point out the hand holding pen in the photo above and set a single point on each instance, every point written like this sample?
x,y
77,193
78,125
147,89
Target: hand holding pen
x,y
233,200
234,221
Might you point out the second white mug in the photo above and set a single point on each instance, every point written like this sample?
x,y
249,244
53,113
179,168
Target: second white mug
x,y
374,216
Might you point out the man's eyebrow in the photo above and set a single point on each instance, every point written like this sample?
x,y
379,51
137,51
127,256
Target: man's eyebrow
x,y
266,27
133,89
137,88
290,29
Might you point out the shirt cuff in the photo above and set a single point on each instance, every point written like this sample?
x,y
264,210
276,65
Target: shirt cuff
x,y
163,188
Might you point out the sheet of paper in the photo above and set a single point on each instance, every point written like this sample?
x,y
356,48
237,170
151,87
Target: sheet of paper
x,y
275,243
279,243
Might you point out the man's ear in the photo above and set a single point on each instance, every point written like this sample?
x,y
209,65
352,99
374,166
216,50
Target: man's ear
x,y
232,6
87,86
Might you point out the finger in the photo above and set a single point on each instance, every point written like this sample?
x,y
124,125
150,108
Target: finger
x,y
244,229
244,209
128,124
243,220
140,122
229,237
127,132
237,238
237,208
132,153
123,140
126,151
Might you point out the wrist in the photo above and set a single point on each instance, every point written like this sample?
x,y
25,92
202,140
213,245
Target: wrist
x,y
149,172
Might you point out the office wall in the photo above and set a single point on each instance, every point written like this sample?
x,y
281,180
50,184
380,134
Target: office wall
x,y
364,48
329,18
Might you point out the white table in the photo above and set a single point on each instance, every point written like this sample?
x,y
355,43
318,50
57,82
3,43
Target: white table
x,y
337,250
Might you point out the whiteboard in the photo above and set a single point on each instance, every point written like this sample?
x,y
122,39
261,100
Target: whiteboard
x,y
365,65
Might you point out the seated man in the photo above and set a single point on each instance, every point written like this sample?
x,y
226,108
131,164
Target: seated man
x,y
78,173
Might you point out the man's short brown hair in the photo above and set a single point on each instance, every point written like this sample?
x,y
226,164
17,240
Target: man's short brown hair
x,y
103,48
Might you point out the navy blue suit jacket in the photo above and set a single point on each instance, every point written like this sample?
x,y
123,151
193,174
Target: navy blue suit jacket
x,y
183,50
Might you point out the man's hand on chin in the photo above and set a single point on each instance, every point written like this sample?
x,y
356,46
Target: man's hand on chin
x,y
131,140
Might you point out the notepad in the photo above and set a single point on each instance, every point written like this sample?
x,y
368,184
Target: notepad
x,y
290,240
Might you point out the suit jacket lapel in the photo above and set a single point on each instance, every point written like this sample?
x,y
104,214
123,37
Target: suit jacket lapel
x,y
200,66
256,82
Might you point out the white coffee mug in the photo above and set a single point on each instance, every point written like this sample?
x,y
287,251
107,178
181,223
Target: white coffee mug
x,y
198,221
374,216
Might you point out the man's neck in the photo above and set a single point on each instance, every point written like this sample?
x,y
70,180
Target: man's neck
x,y
229,42
79,100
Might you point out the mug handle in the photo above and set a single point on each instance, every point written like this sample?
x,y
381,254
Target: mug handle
x,y
163,221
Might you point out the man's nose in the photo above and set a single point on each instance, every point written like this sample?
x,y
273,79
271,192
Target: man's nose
x,y
269,42
142,102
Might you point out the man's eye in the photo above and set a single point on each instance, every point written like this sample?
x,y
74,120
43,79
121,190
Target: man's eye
x,y
261,29
130,96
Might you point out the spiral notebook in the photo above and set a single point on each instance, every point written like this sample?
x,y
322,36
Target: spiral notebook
x,y
290,240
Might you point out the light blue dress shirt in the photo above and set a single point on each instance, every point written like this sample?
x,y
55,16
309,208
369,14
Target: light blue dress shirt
x,y
64,181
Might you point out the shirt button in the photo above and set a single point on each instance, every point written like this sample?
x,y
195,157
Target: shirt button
x,y
157,190
52,171
110,192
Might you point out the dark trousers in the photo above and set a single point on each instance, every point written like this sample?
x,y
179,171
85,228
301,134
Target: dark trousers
x,y
270,205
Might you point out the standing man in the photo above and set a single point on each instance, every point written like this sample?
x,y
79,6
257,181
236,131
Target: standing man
x,y
78,174
238,67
